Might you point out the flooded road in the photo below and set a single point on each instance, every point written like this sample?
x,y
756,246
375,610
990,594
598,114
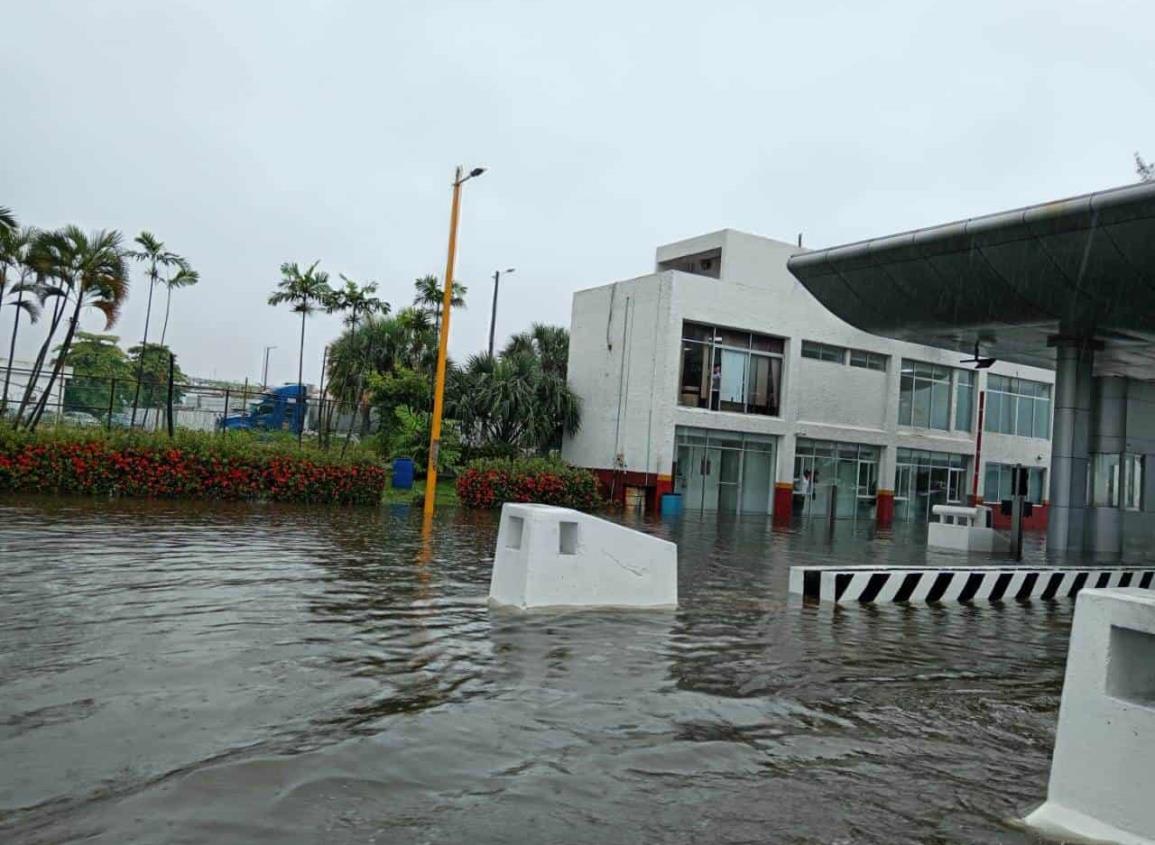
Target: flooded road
x,y
176,672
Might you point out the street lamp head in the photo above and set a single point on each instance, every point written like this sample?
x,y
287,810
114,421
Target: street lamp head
x,y
477,171
509,270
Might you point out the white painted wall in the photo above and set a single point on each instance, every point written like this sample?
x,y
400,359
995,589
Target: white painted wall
x,y
630,408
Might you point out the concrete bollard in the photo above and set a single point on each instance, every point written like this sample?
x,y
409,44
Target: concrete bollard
x,y
556,557
1103,768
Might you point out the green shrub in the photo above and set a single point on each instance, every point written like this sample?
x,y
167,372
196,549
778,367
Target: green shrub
x,y
489,483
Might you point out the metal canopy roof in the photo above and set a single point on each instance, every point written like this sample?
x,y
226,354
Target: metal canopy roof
x,y
1081,267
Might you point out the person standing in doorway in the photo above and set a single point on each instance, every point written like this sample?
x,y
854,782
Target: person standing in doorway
x,y
802,490
716,388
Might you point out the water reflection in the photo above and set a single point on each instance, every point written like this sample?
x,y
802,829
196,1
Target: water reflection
x,y
244,673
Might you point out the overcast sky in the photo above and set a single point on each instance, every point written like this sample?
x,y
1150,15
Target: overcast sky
x,y
245,134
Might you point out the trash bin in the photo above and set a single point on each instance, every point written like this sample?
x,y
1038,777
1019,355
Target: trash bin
x,y
403,473
671,504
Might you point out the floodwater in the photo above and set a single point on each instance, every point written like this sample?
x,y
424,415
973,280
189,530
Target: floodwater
x,y
176,672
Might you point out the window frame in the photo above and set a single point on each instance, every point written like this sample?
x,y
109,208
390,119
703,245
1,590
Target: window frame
x,y
816,350
868,360
1007,401
934,379
713,341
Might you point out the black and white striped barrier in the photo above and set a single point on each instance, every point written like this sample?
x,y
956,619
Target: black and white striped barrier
x,y
880,584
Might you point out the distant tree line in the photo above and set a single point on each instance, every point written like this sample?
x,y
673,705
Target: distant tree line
x,y
381,369
50,279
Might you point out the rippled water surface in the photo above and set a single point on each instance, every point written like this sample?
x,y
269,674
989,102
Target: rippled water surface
x,y
175,672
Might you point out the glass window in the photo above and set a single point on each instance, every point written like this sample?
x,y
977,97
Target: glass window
x,y
823,352
991,483
1042,421
940,405
924,398
922,403
764,375
765,343
1105,480
1035,479
720,372
695,389
964,402
733,338
867,360
998,483
926,478
1018,406
1133,482
698,332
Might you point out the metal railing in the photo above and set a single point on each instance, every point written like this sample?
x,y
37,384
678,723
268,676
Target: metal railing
x,y
82,400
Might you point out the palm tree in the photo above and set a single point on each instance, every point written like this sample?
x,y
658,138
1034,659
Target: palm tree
x,y
184,277
306,291
7,218
354,301
550,344
17,247
48,263
156,256
93,270
429,298
519,399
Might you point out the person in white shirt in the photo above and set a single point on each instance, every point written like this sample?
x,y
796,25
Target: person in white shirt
x,y
802,489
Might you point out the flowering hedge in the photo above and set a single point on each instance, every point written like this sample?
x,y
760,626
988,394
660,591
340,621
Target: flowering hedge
x,y
490,483
192,465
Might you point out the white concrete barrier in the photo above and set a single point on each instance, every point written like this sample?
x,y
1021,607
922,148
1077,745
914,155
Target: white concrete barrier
x,y
556,557
994,583
964,529
1102,784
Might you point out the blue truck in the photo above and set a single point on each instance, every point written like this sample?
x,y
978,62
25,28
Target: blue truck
x,y
276,410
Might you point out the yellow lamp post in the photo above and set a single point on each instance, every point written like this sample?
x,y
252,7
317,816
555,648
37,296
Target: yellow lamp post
x,y
443,341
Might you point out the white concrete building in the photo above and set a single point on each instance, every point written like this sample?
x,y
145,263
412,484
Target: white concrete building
x,y
718,376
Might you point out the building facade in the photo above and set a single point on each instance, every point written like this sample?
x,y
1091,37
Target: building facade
x,y
720,377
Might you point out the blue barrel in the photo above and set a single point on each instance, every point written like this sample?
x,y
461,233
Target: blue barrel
x,y
403,473
671,504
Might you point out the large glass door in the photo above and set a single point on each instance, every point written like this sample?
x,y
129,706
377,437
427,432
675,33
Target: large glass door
x,y
867,488
842,475
846,505
725,472
692,475
757,479
903,491
728,477
956,484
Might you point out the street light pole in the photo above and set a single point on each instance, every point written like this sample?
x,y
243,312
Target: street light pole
x,y
265,372
443,341
493,316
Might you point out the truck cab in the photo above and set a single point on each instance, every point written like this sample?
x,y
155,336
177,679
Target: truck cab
x,y
280,409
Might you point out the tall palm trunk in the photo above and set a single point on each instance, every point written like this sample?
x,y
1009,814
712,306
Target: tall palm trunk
x,y
58,365
167,306
38,364
11,351
301,409
143,348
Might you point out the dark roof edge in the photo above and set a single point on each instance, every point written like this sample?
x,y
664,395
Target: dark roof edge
x,y
1048,214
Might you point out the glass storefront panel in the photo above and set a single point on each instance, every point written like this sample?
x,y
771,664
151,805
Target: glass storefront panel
x,y
726,472
839,475
924,479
